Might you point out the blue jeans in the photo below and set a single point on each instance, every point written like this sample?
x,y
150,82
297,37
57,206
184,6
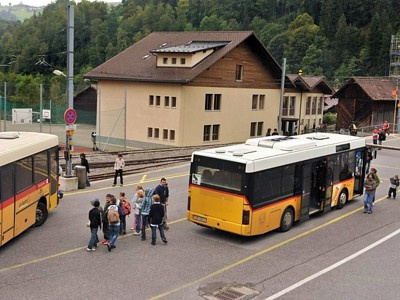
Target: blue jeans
x,y
368,199
93,238
122,227
114,230
138,219
87,180
154,232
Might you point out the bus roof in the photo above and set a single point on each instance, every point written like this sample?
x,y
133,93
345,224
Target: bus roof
x,y
273,151
17,145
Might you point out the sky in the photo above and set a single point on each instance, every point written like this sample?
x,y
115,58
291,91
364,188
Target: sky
x,y
41,2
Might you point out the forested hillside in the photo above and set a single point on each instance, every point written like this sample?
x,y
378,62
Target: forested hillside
x,y
334,38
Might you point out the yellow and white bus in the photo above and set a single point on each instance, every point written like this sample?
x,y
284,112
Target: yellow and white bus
x,y
271,182
28,181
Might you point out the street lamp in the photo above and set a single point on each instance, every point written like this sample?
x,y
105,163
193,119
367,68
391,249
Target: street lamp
x,y
59,73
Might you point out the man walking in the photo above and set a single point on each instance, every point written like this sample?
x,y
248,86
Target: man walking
x,y
163,192
118,167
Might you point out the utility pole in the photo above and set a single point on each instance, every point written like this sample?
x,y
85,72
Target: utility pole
x,y
281,95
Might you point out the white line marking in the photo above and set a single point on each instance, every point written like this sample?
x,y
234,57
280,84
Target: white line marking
x,y
326,270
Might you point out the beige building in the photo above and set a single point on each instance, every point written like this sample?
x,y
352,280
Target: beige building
x,y
191,88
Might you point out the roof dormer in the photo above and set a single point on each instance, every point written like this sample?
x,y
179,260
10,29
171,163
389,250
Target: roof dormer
x,y
185,56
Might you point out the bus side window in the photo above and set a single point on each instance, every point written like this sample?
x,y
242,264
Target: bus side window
x,y
206,176
219,177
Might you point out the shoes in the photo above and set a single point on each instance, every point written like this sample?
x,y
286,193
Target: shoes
x,y
369,212
143,239
137,233
364,212
121,185
113,247
153,243
123,232
165,241
109,247
89,249
388,197
113,185
105,242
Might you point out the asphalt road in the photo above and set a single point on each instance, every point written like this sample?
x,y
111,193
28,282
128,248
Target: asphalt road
x,y
342,254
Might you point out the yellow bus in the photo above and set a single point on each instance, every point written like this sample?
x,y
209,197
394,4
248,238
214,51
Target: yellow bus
x,y
28,181
269,183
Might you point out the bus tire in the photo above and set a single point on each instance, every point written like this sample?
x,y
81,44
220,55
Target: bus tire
x,y
342,199
287,220
41,214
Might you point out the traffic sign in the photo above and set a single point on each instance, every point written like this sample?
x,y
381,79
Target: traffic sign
x,y
70,116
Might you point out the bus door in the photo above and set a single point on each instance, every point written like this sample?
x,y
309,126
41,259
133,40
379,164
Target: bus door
x,y
321,190
7,204
327,179
303,183
359,171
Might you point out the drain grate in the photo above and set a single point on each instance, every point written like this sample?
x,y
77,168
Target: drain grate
x,y
229,294
223,291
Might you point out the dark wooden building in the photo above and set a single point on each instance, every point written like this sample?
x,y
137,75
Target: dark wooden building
x,y
366,101
85,104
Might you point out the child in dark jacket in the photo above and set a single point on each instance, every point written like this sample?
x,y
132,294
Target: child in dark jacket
x,y
156,216
394,183
95,224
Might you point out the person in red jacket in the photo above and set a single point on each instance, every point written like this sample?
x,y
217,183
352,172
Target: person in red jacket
x,y
386,127
375,135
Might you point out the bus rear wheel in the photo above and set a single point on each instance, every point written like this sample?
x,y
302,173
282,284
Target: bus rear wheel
x,y
41,214
342,199
287,220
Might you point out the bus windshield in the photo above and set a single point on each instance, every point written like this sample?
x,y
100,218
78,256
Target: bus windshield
x,y
225,176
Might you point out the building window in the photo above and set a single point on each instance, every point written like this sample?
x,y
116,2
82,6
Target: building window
x,y
156,133
308,105
165,134
149,132
292,104
207,132
254,102
314,105
260,126
215,132
217,101
151,100
166,101
208,102
261,102
165,60
183,61
285,105
172,135
253,126
158,100
321,105
174,60
173,102
239,72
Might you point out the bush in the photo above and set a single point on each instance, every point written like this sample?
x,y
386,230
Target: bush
x,y
329,118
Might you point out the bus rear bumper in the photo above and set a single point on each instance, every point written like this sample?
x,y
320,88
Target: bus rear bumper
x,y
220,224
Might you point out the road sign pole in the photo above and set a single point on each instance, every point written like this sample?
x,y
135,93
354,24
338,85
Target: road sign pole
x,y
70,118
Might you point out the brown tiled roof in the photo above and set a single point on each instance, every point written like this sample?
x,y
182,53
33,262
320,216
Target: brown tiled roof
x,y
136,63
377,88
308,83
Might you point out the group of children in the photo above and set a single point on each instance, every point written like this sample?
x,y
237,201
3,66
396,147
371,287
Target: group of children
x,y
149,208
371,182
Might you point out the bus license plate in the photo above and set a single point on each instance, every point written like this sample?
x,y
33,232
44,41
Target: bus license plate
x,y
201,219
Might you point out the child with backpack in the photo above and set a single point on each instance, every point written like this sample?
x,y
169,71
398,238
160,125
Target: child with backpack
x,y
394,183
126,211
146,204
114,213
137,206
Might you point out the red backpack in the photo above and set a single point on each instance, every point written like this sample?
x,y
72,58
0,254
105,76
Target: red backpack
x,y
126,208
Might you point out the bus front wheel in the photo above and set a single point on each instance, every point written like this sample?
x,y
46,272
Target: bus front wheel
x,y
342,199
41,214
287,220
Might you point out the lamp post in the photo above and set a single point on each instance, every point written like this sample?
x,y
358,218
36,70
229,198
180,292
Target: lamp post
x,y
70,87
